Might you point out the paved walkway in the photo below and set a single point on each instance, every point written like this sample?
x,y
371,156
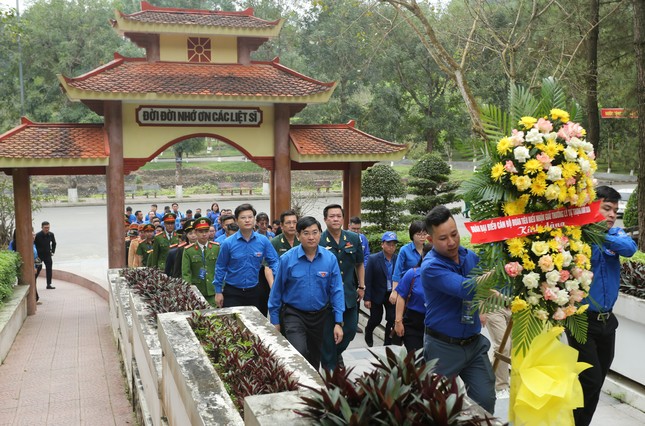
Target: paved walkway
x,y
63,368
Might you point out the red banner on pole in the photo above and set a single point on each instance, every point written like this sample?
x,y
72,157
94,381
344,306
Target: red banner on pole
x,y
503,228
617,113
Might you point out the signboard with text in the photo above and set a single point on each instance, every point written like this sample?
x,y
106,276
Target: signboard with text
x,y
617,113
198,116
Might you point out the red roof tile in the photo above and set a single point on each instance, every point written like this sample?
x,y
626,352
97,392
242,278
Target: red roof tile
x,y
339,139
166,15
137,76
47,140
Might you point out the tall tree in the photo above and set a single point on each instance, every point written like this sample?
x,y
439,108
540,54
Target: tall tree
x,y
639,44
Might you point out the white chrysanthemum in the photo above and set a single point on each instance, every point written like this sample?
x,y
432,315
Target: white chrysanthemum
x,y
531,280
533,299
562,297
585,279
566,258
587,147
533,136
585,165
572,284
574,142
552,278
521,154
554,173
570,153
541,314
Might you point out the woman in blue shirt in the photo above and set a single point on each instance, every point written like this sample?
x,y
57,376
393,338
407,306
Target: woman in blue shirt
x,y
410,254
410,307
213,215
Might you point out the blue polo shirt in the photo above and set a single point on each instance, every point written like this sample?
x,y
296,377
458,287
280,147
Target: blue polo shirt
x,y
605,265
307,285
239,260
417,300
443,284
220,239
408,258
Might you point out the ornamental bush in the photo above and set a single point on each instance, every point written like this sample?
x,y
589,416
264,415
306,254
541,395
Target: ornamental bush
x,y
430,182
9,265
383,188
630,217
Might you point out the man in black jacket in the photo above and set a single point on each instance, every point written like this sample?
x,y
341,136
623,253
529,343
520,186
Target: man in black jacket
x,y
46,247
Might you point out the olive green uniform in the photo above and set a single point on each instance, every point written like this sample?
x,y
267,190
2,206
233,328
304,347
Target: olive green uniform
x,y
160,248
281,245
193,260
144,250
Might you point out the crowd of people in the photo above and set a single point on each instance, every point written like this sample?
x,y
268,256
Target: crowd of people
x,y
310,283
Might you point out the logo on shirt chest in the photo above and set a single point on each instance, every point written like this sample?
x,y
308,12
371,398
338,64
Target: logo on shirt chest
x,y
322,274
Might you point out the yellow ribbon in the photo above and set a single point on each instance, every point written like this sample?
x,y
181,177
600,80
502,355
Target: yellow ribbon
x,y
544,383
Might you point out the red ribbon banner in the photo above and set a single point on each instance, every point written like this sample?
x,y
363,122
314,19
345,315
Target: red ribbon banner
x,y
503,228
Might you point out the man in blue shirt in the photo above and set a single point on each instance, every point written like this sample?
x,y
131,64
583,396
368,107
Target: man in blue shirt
x,y
452,327
308,282
225,220
346,246
239,261
231,228
602,323
378,286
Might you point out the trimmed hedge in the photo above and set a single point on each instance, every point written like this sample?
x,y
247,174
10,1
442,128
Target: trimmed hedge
x,y
9,265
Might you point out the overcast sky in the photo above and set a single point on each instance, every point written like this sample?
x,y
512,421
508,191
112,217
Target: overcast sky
x,y
12,4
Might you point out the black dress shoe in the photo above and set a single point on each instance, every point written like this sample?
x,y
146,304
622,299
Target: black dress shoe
x,y
51,287
359,330
369,341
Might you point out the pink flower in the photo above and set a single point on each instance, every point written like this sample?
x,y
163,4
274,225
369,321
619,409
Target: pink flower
x,y
517,137
564,275
547,292
571,181
513,269
570,310
559,314
546,263
510,167
577,272
544,159
544,126
576,295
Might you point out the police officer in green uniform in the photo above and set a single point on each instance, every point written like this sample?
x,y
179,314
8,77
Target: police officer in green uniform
x,y
347,248
288,238
199,258
145,247
162,243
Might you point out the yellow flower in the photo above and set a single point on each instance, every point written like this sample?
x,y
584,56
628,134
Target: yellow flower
x,y
523,183
527,263
518,304
582,309
557,232
504,145
516,207
574,232
569,169
538,187
558,114
552,192
528,122
586,249
552,148
575,245
497,172
540,248
515,247
558,260
532,166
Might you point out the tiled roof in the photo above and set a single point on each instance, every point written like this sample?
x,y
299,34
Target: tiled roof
x,y
164,15
137,76
61,141
339,139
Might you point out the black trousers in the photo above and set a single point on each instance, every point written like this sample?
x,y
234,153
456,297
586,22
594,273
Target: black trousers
x,y
47,261
599,352
304,330
414,329
234,296
264,290
376,316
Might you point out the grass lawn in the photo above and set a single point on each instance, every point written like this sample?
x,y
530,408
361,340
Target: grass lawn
x,y
224,166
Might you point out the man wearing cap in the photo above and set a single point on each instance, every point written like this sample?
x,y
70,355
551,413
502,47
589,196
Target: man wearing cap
x,y
162,243
288,238
378,286
145,246
346,246
198,263
132,233
190,236
307,284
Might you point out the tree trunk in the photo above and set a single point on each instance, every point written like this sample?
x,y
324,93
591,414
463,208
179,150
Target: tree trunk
x,y
639,43
593,119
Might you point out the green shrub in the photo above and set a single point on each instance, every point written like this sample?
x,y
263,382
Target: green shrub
x,y
9,264
374,238
630,217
